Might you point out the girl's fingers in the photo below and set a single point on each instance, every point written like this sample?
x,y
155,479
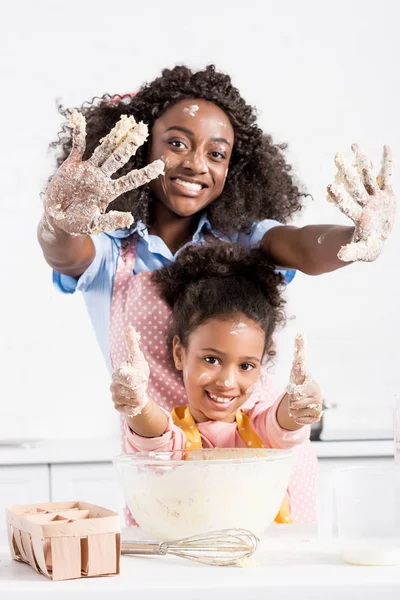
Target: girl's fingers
x,y
351,180
127,410
308,420
298,373
122,394
300,403
135,179
308,389
132,344
385,177
127,402
134,373
307,415
78,123
108,144
133,379
127,148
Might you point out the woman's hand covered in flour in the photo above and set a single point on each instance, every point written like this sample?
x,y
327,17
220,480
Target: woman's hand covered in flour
x,y
305,401
368,201
80,191
129,382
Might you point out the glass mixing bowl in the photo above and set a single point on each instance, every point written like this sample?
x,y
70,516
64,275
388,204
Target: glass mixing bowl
x,y
178,494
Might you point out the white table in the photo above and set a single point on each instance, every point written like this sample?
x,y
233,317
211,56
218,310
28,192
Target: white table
x,y
291,566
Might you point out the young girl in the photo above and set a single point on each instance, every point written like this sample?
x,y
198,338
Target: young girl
x,y
226,304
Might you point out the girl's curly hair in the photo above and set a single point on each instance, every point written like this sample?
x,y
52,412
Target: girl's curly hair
x,y
259,184
221,280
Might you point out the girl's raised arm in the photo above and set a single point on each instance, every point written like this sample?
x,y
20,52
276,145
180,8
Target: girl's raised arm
x,y
129,392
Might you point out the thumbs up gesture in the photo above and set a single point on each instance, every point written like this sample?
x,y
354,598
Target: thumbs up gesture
x,y
129,382
305,400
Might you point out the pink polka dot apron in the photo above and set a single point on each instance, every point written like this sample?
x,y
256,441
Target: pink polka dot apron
x,y
136,302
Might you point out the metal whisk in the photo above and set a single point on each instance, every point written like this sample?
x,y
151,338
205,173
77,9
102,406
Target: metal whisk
x,y
227,547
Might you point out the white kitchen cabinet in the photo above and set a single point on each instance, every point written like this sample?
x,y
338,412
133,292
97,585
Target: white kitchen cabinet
x,y
91,482
23,485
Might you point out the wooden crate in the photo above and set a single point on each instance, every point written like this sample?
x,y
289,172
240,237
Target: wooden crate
x,y
65,540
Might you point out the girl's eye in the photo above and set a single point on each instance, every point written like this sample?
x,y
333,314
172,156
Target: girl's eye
x,y
211,360
246,367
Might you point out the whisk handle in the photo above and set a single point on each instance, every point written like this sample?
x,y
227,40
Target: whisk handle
x,y
143,548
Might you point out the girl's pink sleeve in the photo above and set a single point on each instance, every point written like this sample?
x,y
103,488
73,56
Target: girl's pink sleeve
x,y
172,439
263,420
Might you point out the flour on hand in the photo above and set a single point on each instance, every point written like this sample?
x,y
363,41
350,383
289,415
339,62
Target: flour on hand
x,y
367,200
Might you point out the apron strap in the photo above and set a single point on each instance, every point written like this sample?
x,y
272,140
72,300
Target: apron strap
x,y
182,418
249,436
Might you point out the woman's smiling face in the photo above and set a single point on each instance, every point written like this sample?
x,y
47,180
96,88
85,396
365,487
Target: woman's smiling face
x,y
194,138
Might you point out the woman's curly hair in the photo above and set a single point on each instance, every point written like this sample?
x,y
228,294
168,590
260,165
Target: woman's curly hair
x,y
221,280
259,184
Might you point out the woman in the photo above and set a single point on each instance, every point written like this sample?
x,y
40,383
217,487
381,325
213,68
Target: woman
x,y
246,191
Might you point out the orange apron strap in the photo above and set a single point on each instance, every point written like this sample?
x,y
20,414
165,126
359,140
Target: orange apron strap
x,y
249,436
283,515
182,418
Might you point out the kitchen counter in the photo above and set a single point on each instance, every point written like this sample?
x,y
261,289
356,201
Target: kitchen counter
x,y
291,565
102,450
61,451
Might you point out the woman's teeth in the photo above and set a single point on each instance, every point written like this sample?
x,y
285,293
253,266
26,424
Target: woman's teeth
x,y
220,399
196,187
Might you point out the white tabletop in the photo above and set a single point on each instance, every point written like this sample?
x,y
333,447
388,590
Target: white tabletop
x,y
292,565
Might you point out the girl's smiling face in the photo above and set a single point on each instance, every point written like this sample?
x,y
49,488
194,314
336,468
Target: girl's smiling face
x,y
220,364
194,138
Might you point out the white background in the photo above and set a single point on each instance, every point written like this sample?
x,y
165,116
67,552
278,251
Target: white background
x,y
322,75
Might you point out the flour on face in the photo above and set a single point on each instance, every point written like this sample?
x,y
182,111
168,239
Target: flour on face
x,y
191,110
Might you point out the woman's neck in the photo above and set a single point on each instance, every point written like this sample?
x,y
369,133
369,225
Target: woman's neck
x,y
175,231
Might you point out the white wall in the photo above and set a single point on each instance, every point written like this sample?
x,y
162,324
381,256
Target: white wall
x,y
322,75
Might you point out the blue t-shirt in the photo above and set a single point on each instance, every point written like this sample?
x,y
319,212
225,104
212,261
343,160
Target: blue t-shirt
x,y
96,283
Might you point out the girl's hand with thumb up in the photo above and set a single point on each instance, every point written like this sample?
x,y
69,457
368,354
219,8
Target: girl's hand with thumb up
x,y
305,400
129,382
